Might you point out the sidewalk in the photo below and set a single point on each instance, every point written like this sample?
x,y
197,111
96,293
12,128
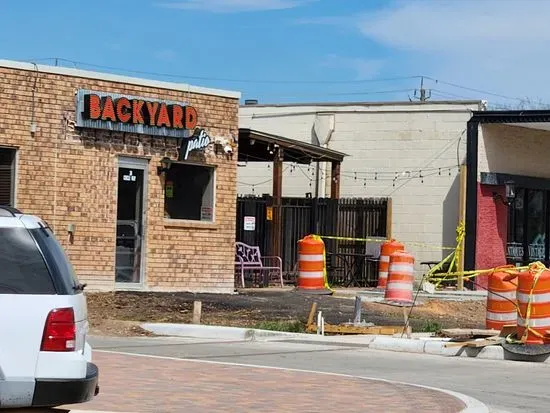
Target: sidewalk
x,y
143,384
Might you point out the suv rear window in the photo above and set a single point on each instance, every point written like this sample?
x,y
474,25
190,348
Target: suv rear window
x,y
22,267
58,262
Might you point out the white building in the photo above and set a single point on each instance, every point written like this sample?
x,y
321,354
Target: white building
x,y
408,151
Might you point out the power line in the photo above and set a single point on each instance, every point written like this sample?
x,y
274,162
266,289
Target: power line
x,y
444,93
472,89
76,63
272,81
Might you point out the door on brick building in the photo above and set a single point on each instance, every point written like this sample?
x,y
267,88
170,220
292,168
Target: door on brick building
x,y
130,229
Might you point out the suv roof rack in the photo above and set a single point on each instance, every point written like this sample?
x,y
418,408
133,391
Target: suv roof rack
x,y
8,211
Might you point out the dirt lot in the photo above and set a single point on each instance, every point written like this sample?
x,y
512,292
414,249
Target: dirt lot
x,y
120,313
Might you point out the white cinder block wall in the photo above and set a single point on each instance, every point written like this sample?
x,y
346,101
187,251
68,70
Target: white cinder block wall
x,y
380,139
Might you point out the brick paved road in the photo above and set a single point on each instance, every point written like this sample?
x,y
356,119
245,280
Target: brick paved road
x,y
143,384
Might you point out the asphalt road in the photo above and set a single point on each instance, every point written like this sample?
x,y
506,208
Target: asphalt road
x,y
505,386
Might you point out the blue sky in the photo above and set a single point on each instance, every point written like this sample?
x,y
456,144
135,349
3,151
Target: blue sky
x,y
298,50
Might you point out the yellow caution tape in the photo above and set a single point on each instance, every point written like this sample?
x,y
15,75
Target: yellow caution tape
x,y
418,244
325,276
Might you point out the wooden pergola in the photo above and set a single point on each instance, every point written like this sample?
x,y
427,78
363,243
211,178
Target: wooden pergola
x,y
257,146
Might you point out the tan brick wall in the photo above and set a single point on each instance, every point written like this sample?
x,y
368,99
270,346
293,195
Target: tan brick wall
x,y
66,176
513,150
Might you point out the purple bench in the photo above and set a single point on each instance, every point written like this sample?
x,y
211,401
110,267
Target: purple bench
x,y
249,259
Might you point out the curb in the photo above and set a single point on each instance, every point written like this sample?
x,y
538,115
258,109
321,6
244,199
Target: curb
x,y
420,345
214,332
369,296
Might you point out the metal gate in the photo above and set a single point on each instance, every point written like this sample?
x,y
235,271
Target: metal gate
x,y
345,217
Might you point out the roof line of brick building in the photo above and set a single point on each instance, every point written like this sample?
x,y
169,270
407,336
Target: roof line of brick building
x,y
87,74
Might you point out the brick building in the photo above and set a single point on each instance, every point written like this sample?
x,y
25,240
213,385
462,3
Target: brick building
x,y
508,189
136,177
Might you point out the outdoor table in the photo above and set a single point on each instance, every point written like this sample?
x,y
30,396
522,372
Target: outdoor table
x,y
352,265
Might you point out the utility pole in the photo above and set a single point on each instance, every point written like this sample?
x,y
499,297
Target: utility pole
x,y
423,97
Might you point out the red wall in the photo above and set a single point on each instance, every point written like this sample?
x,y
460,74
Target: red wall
x,y
492,230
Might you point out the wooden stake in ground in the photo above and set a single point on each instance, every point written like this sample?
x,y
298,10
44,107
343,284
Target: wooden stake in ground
x,y
311,314
407,327
197,307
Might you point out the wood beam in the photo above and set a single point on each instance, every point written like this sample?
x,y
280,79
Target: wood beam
x,y
461,218
277,195
335,180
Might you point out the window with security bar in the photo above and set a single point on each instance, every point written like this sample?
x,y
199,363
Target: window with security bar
x,y
7,176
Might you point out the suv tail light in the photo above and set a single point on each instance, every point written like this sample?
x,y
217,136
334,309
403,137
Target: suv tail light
x,y
59,331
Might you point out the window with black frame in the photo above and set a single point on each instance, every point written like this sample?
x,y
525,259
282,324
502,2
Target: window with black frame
x,y
189,192
7,167
527,227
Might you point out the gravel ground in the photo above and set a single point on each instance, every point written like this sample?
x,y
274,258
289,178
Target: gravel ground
x,y
119,313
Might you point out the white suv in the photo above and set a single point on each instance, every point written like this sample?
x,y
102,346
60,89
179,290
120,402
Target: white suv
x,y
45,360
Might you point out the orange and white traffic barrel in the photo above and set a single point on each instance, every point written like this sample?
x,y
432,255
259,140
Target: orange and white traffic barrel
x,y
400,278
533,297
387,249
311,265
501,301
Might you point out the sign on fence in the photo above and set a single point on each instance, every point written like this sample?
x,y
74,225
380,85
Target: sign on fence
x,y
249,223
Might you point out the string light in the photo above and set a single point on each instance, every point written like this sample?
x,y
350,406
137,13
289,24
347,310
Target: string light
x,y
364,176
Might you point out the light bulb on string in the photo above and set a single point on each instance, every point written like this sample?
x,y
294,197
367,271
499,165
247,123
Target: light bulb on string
x,y
252,188
449,171
365,183
355,176
439,171
421,178
375,176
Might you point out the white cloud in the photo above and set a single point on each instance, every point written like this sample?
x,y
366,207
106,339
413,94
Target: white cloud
x,y
499,46
363,68
229,6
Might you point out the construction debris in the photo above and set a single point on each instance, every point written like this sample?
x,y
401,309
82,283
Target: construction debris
x,y
476,338
467,334
346,328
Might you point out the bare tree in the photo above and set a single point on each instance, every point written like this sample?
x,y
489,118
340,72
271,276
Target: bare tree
x,y
523,104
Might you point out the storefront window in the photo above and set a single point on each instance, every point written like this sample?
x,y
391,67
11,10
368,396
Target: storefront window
x,y
527,227
189,192
515,227
536,225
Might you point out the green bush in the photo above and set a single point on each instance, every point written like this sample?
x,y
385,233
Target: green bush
x,y
294,326
431,327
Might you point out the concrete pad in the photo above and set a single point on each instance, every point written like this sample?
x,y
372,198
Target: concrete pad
x,y
397,344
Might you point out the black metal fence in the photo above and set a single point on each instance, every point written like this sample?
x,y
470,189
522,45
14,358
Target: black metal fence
x,y
346,218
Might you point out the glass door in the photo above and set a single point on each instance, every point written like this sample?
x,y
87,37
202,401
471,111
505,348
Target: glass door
x,y
130,222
